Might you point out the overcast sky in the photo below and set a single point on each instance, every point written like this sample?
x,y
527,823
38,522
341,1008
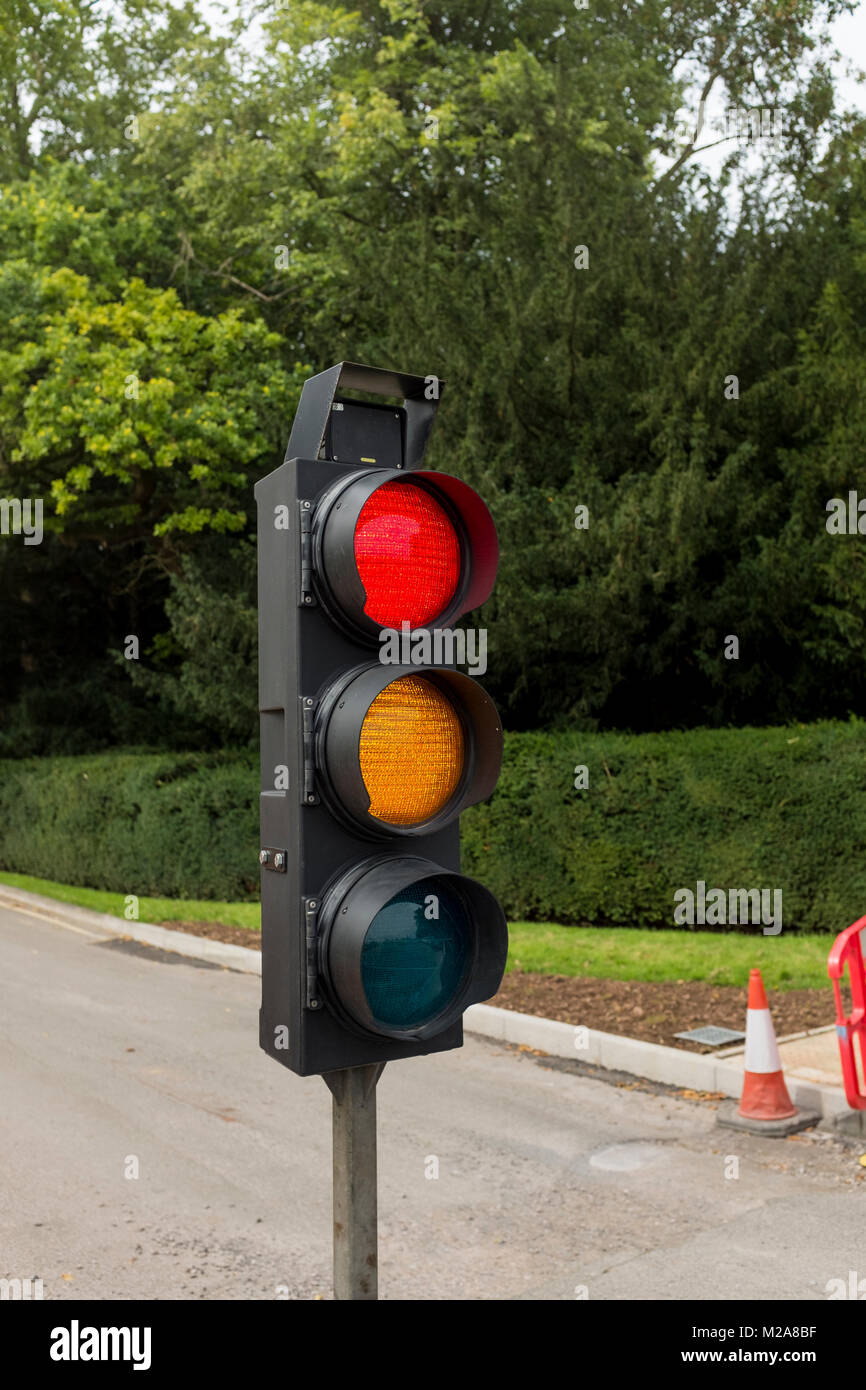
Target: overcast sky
x,y
849,34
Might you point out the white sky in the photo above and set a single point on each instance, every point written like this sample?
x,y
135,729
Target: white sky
x,y
849,34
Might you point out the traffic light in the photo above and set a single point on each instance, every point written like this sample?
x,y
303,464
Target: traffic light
x,y
372,742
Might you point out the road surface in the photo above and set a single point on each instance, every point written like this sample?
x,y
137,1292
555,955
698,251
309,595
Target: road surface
x,y
120,1060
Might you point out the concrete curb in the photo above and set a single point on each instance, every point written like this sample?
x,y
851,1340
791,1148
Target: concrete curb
x,y
241,958
649,1061
668,1065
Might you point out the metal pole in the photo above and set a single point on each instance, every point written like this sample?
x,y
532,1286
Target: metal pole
x,y
356,1253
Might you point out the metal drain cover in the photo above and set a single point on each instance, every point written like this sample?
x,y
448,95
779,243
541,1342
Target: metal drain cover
x,y
711,1036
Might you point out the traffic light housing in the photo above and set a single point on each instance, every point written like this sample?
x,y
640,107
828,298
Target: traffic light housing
x,y
373,942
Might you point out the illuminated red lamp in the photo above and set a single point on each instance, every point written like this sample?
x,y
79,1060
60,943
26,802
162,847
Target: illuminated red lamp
x,y
392,548
407,553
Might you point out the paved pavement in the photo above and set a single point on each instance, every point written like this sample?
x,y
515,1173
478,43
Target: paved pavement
x,y
116,1058
815,1057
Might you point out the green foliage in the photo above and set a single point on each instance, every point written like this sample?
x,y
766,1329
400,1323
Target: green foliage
x,y
751,808
142,823
203,672
773,808
72,73
158,418
190,228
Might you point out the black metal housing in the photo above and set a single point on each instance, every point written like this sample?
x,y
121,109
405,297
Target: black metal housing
x,y
421,396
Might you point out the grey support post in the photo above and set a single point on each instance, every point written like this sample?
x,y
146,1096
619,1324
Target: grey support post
x,y
356,1241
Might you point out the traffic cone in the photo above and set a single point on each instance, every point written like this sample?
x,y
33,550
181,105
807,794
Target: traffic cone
x,y
765,1095
765,1106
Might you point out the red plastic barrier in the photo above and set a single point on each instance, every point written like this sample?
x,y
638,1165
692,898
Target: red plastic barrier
x,y
847,950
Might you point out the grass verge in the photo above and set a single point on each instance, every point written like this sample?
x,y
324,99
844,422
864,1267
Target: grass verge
x,y
619,953
787,961
155,910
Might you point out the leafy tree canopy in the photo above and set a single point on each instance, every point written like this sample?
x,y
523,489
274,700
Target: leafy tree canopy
x,y
505,195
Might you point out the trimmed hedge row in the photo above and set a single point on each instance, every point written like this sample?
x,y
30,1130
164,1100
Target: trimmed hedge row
x,y
740,808
153,824
781,808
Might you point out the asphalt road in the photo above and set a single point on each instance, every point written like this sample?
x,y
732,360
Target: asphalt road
x,y
551,1184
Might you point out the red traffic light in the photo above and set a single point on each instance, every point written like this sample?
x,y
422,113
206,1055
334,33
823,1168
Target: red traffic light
x,y
407,553
391,548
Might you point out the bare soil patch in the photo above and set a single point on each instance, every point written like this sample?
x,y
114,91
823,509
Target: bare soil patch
x,y
656,1010
233,936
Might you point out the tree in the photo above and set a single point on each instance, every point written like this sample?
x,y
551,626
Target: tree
x,y
503,195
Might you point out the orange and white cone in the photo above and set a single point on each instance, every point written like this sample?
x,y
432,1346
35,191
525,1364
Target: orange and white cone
x,y
765,1095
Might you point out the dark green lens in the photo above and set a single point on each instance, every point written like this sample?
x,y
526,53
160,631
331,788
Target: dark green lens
x,y
416,955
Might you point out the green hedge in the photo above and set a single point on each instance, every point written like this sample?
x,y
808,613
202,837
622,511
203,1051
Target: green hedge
x,y
738,808
154,824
